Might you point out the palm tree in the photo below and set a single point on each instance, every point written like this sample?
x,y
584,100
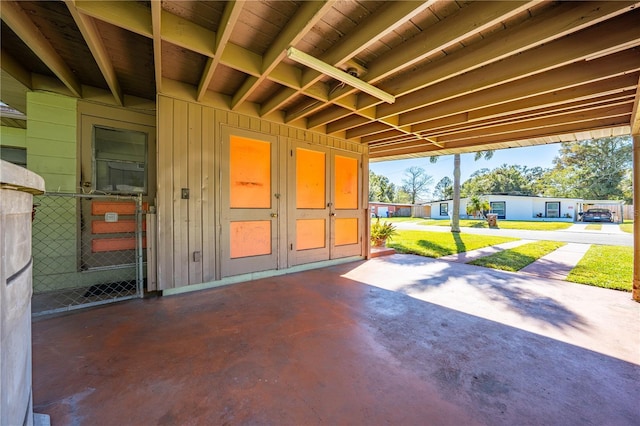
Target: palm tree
x,y
477,206
455,215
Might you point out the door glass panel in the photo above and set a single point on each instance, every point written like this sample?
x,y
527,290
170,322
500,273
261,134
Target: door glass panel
x,y
310,179
250,173
120,158
250,238
346,231
346,182
310,234
553,209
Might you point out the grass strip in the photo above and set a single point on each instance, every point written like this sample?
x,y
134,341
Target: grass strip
x,y
437,244
627,227
517,258
505,224
605,266
594,227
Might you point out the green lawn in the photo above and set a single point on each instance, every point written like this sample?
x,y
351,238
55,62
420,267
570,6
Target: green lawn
x,y
504,224
594,227
437,244
517,258
605,266
627,227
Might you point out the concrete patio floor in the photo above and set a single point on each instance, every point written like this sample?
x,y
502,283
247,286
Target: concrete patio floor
x,y
451,344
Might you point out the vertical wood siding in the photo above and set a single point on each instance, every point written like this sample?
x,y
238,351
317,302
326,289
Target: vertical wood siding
x,y
189,157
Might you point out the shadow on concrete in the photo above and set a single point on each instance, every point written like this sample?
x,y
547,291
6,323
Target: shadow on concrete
x,y
319,348
420,274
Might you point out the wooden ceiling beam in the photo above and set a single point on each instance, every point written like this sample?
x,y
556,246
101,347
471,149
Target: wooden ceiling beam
x,y
570,49
227,23
131,16
469,21
306,17
557,22
369,31
530,93
458,124
572,75
156,25
15,69
94,41
635,115
418,147
13,15
587,114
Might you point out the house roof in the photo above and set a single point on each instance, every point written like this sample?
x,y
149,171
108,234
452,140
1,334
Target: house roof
x,y
465,76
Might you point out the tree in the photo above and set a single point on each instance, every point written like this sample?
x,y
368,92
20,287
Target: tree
x,y
477,206
381,189
506,179
416,183
591,169
455,217
444,189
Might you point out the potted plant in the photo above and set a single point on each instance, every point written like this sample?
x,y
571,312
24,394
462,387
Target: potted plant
x,y
381,232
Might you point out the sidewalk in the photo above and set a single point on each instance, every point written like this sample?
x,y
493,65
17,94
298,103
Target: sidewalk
x,y
559,263
555,265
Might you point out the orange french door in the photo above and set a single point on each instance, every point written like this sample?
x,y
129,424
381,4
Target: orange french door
x,y
324,209
309,206
347,215
249,213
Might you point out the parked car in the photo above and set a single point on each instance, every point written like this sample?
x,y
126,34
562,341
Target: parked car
x,y
597,215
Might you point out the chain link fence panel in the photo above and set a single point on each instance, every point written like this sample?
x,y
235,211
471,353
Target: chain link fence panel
x,y
88,250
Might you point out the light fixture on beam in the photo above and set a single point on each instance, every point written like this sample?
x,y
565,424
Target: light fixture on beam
x,y
324,68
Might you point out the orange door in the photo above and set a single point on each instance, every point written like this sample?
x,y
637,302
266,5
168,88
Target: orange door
x,y
250,202
309,205
347,216
324,207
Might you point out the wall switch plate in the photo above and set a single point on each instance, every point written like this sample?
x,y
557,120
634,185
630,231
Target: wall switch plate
x,y
185,193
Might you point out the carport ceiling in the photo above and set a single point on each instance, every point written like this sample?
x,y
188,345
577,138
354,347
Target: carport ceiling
x,y
466,75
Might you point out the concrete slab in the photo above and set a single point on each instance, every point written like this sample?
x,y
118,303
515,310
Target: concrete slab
x,y
559,263
452,344
468,256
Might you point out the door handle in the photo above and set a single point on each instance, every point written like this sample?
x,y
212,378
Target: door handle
x,y
333,214
274,214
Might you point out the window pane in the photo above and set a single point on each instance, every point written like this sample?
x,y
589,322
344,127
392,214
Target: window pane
x,y
17,156
346,182
250,173
310,234
310,179
120,160
346,231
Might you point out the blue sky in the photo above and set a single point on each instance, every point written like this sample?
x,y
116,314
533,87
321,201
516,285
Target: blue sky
x,y
534,156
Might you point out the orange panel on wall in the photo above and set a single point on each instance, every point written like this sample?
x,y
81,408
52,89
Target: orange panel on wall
x,y
115,244
346,231
120,207
121,226
346,182
310,179
250,238
249,173
310,234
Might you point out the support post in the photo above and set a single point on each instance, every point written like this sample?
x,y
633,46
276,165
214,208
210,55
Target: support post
x,y
636,218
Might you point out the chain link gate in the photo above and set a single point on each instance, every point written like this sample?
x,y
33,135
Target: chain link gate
x,y
88,250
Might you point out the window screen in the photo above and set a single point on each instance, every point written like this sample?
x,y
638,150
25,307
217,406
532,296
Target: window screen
x,y
17,156
444,209
120,160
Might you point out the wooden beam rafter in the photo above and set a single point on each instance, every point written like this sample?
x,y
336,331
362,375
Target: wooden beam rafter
x,y
13,15
229,18
156,25
94,41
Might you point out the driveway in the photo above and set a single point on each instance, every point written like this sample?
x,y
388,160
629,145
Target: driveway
x,y
609,235
401,340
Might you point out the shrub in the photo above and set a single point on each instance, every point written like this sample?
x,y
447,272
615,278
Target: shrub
x,y
380,233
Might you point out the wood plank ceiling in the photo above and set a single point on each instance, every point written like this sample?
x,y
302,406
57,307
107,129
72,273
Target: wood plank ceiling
x,y
466,75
